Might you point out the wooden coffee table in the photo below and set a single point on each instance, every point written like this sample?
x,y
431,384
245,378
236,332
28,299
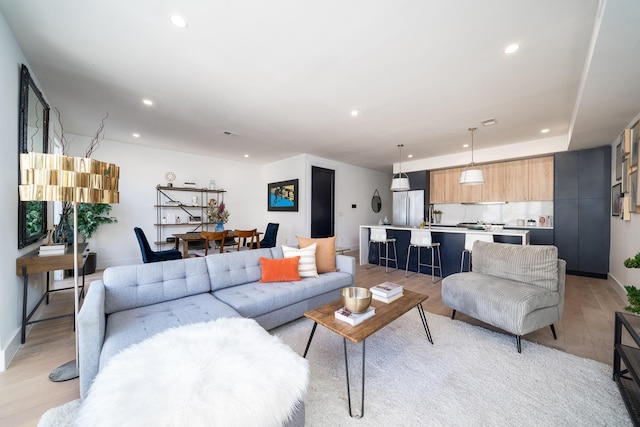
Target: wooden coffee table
x,y
385,314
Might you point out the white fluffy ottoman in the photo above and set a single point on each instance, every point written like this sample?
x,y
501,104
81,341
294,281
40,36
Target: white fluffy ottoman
x,y
228,372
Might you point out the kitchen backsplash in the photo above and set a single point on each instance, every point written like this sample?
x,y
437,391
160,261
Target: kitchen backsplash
x,y
508,213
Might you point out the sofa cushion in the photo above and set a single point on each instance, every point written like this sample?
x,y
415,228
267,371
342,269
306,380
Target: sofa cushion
x,y
279,270
533,264
128,327
307,264
325,252
236,268
500,302
255,299
145,284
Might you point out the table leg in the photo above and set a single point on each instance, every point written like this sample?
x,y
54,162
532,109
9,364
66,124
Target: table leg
x,y
313,331
346,365
47,287
424,322
185,249
25,285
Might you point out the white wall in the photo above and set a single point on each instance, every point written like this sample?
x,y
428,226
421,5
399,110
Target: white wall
x,y
11,59
354,185
625,237
142,168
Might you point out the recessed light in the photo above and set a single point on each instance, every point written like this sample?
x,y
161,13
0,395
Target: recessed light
x,y
489,122
246,156
410,155
178,21
465,146
512,48
136,135
545,130
354,113
147,102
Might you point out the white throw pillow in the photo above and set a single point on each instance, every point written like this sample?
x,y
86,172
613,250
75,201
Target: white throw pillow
x,y
307,265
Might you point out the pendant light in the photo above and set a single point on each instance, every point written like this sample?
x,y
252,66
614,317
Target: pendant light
x,y
472,174
400,181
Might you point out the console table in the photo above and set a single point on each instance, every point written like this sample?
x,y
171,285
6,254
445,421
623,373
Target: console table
x,y
31,263
628,376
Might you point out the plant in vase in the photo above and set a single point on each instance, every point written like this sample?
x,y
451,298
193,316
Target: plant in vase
x,y
633,293
217,213
437,216
91,216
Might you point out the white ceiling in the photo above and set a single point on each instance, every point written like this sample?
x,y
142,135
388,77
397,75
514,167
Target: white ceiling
x,y
283,75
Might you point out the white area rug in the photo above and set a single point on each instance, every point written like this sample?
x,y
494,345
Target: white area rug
x,y
469,377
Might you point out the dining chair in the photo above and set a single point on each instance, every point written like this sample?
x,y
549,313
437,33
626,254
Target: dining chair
x,y
246,238
270,234
216,237
154,256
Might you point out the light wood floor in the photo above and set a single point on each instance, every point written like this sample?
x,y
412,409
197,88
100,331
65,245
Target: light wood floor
x,y
26,393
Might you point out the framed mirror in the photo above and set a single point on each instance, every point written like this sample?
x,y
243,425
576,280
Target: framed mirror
x,y
376,202
33,136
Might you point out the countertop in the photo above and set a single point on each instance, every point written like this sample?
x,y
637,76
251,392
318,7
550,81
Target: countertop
x,y
452,229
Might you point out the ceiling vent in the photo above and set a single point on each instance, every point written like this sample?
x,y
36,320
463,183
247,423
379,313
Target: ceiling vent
x,y
489,122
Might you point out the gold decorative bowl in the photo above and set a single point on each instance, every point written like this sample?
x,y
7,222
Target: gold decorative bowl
x,y
356,300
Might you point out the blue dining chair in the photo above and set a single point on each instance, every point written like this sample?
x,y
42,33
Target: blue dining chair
x,y
270,234
154,256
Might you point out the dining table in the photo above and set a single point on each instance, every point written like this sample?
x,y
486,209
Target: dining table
x,y
185,238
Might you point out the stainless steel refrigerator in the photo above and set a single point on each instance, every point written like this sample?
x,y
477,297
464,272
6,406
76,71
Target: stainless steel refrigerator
x,y
408,207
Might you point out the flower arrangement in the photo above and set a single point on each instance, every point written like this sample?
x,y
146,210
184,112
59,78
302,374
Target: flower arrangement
x,y
217,213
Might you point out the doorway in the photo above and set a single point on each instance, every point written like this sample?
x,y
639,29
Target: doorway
x,y
322,202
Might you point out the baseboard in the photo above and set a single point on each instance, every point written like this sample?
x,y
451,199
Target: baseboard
x,y
8,353
618,287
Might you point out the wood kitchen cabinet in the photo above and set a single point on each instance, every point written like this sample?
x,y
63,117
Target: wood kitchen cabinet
x,y
506,181
513,181
517,181
540,172
445,186
494,188
469,193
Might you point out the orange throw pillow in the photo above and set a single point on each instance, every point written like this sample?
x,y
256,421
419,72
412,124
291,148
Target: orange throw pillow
x,y
325,252
279,269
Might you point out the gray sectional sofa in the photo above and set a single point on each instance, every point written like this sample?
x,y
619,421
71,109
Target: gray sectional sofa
x,y
516,288
135,302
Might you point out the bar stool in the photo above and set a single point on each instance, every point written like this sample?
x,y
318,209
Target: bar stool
x,y
379,236
422,239
469,239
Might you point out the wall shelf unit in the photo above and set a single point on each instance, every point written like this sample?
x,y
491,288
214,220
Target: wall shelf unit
x,y
178,208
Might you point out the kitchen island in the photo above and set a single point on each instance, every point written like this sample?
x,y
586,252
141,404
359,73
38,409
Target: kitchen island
x,y
451,241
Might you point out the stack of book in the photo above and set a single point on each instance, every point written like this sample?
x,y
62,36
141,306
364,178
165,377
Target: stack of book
x,y
50,250
354,318
386,292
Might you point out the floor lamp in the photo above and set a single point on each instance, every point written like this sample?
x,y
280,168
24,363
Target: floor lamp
x,y
58,178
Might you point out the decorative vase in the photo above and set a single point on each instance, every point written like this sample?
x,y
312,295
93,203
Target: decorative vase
x,y
220,226
63,232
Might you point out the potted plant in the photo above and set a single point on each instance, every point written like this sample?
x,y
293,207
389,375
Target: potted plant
x,y
633,293
90,217
437,216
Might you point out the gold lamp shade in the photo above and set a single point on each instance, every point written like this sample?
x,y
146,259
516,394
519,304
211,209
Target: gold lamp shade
x,y
58,178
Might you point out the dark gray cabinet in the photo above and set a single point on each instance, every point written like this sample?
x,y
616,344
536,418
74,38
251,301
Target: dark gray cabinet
x,y
582,200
